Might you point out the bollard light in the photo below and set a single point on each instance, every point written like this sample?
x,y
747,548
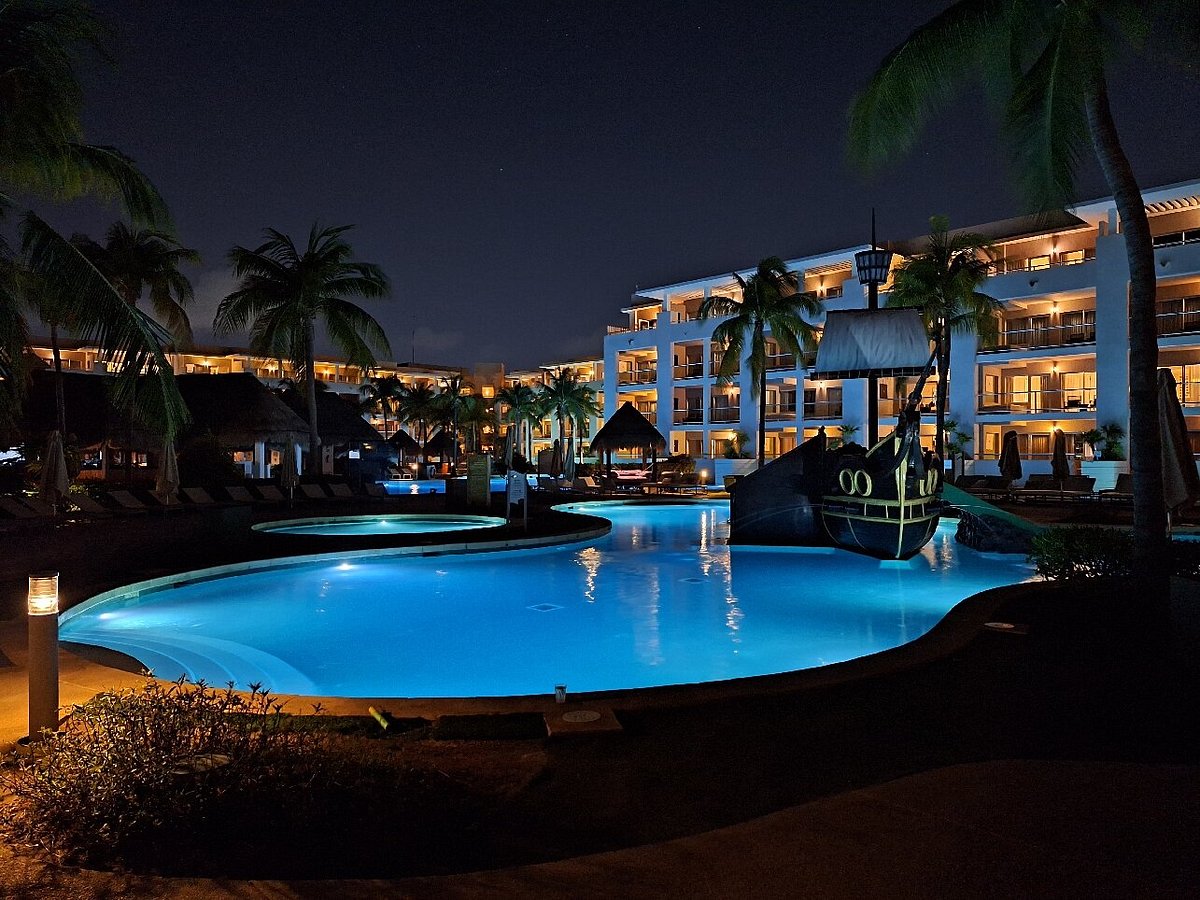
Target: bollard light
x,y
43,594
43,653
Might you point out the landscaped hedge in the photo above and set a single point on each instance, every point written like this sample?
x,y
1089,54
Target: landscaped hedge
x,y
1076,551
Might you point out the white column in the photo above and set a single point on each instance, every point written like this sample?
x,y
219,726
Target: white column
x,y
964,384
1112,330
666,375
259,467
706,387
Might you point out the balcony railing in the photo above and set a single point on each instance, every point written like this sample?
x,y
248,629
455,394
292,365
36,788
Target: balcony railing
x,y
1180,321
651,415
689,370
781,361
692,416
823,409
780,411
724,414
715,365
1041,261
1073,400
638,376
1048,336
1174,238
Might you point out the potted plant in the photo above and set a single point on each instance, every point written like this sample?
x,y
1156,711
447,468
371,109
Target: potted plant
x,y
1114,435
1094,438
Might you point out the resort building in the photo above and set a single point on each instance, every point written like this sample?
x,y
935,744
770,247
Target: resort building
x,y
1061,359
590,372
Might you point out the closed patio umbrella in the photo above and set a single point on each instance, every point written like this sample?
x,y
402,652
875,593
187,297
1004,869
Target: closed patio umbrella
x,y
55,483
510,445
1059,467
1181,484
288,476
556,459
1010,457
166,483
569,460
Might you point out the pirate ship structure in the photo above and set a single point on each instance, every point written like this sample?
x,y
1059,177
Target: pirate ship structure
x,y
881,500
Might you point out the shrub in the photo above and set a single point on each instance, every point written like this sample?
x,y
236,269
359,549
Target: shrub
x,y
1075,551
135,772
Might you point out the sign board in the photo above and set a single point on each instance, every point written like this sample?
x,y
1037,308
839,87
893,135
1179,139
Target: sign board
x,y
517,493
479,480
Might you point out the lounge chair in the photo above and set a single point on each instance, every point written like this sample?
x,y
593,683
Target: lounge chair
x,y
1047,487
376,491
198,496
1121,492
89,506
39,506
270,493
239,494
994,487
341,491
17,509
126,500
314,492
588,485
170,502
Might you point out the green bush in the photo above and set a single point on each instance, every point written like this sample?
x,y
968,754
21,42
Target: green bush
x,y
138,773
1075,551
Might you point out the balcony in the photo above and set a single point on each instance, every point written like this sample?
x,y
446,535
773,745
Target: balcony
x,y
777,412
1042,262
691,416
1045,336
823,409
638,376
724,414
781,361
689,370
715,364
1073,400
1179,316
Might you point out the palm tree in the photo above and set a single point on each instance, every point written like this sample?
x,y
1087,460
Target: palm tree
x,y
417,404
771,301
943,283
450,403
475,415
1048,60
285,291
137,260
382,392
567,399
524,408
42,152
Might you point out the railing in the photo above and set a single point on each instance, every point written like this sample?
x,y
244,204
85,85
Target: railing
x,y
651,415
1066,400
724,414
1188,392
1047,336
691,416
638,376
781,361
778,411
1042,261
642,325
690,370
1174,238
823,409
715,365
1180,321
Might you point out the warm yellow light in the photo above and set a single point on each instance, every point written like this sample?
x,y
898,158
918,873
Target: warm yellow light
x,y
488,392
43,594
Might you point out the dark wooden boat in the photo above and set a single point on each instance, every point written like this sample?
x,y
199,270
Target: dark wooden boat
x,y
884,502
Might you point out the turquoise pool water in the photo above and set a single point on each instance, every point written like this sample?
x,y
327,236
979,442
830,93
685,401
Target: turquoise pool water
x,y
437,486
661,600
386,524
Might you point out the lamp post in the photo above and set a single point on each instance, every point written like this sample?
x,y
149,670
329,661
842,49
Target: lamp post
x,y
43,653
873,267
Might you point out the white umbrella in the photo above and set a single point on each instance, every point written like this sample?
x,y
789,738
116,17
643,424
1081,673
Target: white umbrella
x,y
55,483
569,460
167,481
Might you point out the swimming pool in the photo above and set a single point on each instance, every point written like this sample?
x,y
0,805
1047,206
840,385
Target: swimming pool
x,y
399,523
661,600
438,485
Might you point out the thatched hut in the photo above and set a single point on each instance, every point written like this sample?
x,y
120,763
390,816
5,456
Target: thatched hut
x,y
628,429
347,438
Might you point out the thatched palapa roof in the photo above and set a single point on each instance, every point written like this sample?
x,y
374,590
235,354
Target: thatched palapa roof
x,y
239,410
441,444
337,421
628,429
404,442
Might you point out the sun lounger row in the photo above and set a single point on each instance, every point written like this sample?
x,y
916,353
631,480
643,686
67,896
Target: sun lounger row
x,y
1036,487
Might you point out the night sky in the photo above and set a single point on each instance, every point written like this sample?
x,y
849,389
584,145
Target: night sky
x,y
519,168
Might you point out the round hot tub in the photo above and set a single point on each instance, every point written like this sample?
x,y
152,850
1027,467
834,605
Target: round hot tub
x,y
398,523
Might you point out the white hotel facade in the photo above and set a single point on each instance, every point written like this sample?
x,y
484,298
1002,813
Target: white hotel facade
x,y
1061,361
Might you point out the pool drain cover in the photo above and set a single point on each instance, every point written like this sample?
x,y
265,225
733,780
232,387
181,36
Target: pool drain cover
x,y
692,580
581,716
544,607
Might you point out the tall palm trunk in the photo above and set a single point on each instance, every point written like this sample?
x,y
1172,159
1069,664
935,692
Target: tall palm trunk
x,y
1145,443
943,388
310,390
758,350
60,402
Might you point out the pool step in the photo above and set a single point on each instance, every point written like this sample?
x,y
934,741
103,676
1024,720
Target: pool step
x,y
576,721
